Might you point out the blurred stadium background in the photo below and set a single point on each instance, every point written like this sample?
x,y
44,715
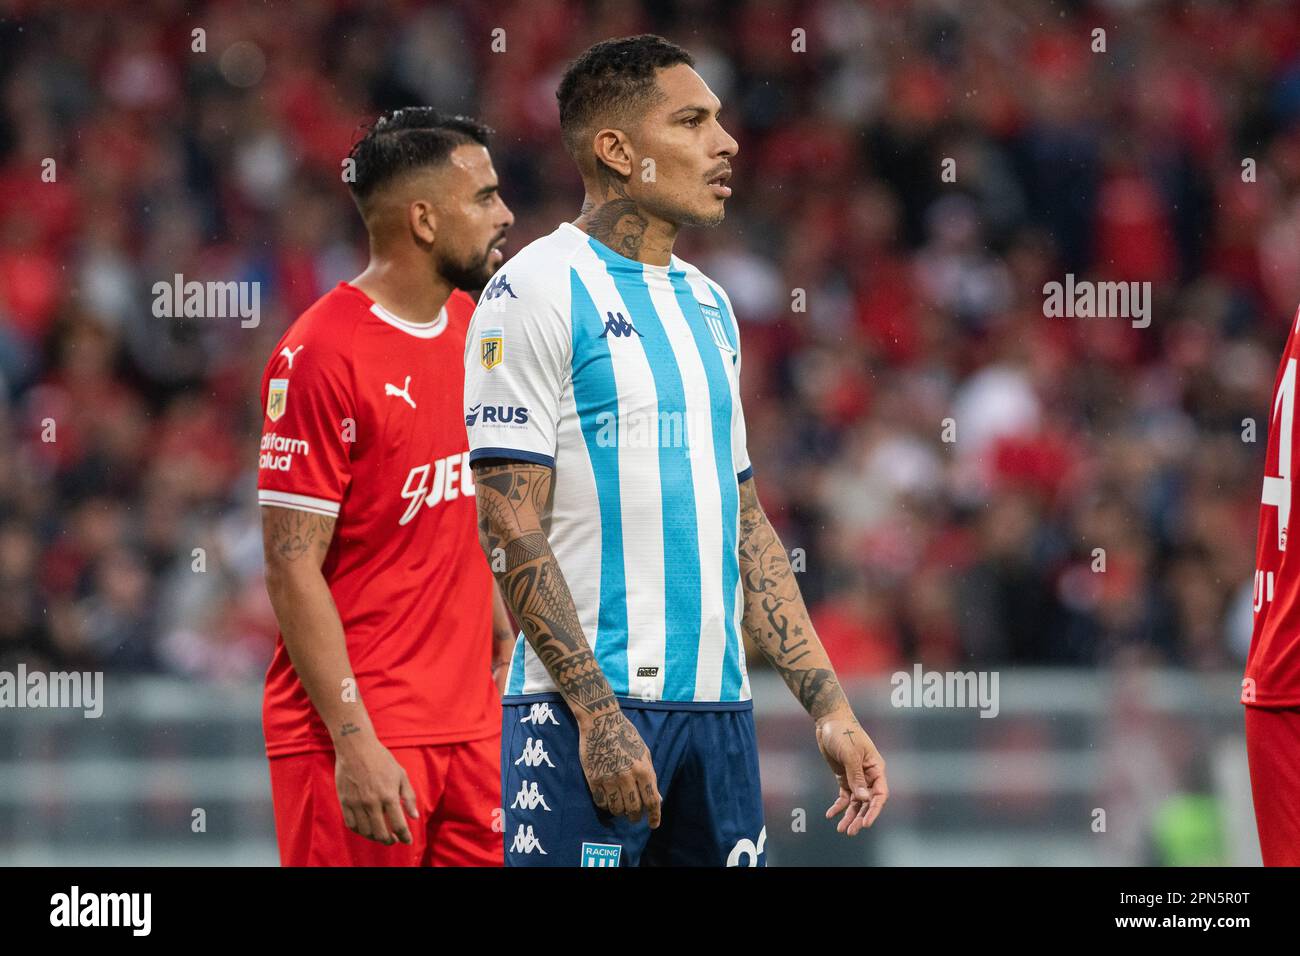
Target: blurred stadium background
x,y
1118,688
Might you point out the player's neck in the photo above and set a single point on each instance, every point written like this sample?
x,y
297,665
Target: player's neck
x,y
619,223
410,293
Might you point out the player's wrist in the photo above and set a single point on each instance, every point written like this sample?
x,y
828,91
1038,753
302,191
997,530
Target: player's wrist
x,y
350,736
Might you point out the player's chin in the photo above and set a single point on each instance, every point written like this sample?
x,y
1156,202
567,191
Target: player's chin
x,y
710,214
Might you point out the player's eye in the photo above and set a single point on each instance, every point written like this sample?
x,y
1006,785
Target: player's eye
x,y
693,121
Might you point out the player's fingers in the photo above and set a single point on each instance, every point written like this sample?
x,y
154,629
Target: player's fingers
x,y
378,828
858,782
652,802
396,821
849,814
407,794
840,803
349,818
614,802
598,794
631,800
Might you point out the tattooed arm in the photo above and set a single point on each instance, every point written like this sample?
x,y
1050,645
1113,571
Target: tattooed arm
x,y
777,620
372,785
512,498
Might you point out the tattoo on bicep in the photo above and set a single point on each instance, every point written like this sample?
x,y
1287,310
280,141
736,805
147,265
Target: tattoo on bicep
x,y
291,534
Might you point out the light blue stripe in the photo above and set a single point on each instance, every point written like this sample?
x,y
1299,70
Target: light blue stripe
x,y
516,683
595,391
721,412
676,485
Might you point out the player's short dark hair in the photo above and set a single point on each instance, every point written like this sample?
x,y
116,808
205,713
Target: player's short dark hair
x,y
407,139
612,81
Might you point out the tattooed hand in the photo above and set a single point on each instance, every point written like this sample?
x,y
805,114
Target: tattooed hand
x,y
618,768
859,769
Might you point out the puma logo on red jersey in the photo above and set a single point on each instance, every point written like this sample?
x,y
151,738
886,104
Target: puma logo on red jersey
x,y
404,391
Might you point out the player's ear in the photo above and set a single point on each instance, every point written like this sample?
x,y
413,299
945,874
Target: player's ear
x,y
612,148
422,220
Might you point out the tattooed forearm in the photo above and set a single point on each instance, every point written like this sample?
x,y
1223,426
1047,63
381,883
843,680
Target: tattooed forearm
x,y
292,534
512,498
776,618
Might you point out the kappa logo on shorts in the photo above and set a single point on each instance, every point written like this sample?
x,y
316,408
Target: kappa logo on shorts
x,y
539,714
534,755
601,854
529,798
526,841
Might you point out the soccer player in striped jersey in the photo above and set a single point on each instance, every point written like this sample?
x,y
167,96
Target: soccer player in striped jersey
x,y
618,511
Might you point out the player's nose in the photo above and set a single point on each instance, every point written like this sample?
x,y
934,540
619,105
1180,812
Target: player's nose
x,y
727,145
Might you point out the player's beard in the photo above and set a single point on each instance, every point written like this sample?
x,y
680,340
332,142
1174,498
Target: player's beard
x,y
685,216
472,274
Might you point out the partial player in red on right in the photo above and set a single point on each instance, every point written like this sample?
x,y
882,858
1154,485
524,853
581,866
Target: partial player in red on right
x,y
1270,688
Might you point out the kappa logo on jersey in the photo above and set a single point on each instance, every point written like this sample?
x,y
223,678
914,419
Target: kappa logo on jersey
x,y
290,355
713,319
496,415
277,396
539,714
404,392
526,841
452,478
614,322
499,286
529,798
534,754
601,854
491,348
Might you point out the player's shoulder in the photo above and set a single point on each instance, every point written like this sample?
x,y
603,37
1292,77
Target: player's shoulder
x,y
704,285
694,274
538,274
321,337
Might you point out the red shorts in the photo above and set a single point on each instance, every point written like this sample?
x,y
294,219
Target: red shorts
x,y
457,793
1273,751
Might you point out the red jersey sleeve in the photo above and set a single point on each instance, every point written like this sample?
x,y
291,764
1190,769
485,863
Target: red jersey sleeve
x,y
308,428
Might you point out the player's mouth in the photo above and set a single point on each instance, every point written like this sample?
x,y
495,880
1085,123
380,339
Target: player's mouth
x,y
495,255
719,183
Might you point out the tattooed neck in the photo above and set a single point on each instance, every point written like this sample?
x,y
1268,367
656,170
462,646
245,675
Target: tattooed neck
x,y
610,215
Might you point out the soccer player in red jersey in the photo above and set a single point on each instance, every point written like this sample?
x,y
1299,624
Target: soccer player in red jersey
x,y
381,714
1270,688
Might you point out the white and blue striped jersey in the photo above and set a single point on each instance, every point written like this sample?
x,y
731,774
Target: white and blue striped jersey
x,y
623,377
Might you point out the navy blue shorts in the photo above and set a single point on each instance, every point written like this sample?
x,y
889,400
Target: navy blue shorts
x,y
706,762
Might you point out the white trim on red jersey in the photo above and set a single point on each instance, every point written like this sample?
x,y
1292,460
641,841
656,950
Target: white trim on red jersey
x,y
421,330
285,499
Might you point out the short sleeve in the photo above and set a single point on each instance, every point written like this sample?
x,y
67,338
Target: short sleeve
x,y
739,451
308,424
517,356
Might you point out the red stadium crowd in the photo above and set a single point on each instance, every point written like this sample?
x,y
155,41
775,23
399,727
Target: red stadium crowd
x,y
961,477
